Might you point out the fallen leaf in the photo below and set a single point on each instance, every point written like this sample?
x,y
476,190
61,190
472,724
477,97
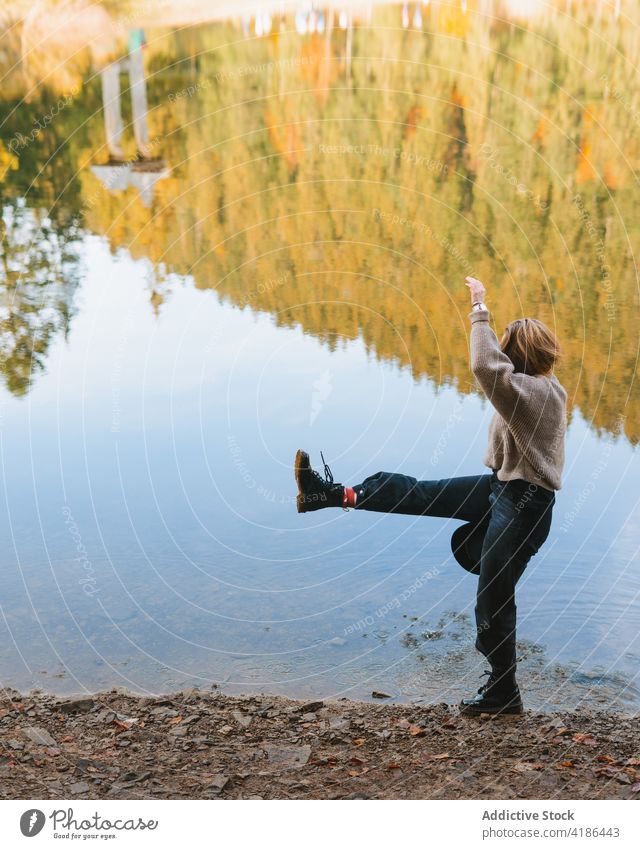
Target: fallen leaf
x,y
393,765
585,739
564,764
607,759
359,742
353,773
613,772
417,731
443,757
175,720
68,738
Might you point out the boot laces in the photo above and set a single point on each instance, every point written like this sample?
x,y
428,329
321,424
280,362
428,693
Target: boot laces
x,y
328,475
499,678
491,679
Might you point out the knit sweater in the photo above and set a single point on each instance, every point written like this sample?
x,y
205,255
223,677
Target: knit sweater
x,y
527,431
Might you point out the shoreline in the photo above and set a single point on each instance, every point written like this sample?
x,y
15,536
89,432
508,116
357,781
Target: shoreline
x,y
271,747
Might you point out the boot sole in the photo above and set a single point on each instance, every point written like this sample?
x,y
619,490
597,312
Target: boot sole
x,y
301,461
506,710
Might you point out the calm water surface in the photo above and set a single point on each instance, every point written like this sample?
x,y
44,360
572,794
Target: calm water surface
x,y
285,269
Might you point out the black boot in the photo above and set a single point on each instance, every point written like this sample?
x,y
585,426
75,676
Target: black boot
x,y
500,695
314,492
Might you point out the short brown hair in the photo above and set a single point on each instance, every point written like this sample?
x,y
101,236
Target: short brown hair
x,y
531,346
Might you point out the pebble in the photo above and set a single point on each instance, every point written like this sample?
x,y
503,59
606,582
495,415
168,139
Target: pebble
x,y
38,735
310,707
241,718
288,756
218,782
164,712
79,788
76,706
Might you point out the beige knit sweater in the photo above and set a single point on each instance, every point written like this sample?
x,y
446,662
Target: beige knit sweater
x,y
526,434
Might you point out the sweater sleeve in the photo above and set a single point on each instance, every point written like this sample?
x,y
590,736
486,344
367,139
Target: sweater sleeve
x,y
494,370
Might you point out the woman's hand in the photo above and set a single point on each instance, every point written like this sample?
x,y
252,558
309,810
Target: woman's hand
x,y
477,290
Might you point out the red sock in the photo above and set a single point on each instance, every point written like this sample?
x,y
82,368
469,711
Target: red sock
x,y
349,497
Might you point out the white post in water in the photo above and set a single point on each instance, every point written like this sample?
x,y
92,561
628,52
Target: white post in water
x,y
111,106
349,46
139,101
111,101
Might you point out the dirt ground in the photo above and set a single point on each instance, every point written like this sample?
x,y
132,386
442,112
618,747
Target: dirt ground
x,y
198,745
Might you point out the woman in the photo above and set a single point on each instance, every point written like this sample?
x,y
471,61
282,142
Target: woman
x,y
508,512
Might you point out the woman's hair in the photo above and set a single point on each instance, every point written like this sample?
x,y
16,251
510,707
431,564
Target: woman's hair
x,y
531,346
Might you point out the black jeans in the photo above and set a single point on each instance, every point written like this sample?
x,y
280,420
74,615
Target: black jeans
x,y
514,518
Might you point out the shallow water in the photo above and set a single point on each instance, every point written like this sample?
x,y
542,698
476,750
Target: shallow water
x,y
165,354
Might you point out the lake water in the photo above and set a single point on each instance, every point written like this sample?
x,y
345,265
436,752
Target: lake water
x,y
285,269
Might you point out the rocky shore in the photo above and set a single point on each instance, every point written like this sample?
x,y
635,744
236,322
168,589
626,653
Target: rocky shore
x,y
206,745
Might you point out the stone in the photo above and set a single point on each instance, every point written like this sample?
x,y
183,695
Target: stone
x,y
79,787
106,715
38,735
164,712
287,756
241,718
311,707
217,782
76,706
130,779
